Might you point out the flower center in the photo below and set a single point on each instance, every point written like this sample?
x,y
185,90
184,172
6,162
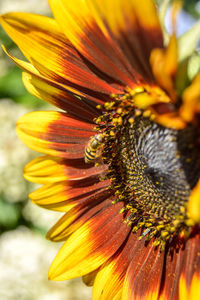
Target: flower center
x,y
158,166
152,169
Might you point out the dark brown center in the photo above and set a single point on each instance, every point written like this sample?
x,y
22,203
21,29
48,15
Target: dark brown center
x,y
153,170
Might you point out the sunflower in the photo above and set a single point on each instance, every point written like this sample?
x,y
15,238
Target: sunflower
x,y
122,157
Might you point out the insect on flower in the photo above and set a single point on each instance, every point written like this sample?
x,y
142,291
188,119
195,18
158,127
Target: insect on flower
x,y
92,150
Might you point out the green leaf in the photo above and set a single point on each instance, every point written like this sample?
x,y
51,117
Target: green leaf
x,y
193,66
182,80
11,86
188,41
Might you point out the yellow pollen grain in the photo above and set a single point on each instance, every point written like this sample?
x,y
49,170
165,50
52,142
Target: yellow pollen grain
x,y
152,117
188,160
109,105
156,243
120,121
182,209
119,110
147,113
112,133
113,95
160,227
131,120
115,120
137,90
176,222
138,112
164,233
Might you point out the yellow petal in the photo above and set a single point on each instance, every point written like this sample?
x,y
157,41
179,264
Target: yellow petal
x,y
45,170
78,20
75,258
35,35
53,196
58,95
31,125
43,44
90,245
54,133
193,208
191,292
89,25
191,100
104,287
164,66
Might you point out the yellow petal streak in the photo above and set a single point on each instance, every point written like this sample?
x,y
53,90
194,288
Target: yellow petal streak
x,y
87,23
194,204
45,170
164,66
40,88
26,66
152,295
38,85
116,12
65,226
191,100
193,291
52,196
75,16
31,126
36,35
108,283
77,256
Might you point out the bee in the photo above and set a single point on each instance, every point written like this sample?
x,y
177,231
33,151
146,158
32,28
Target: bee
x,y
93,147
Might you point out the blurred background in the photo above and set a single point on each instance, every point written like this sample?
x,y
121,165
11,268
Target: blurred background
x,y
25,254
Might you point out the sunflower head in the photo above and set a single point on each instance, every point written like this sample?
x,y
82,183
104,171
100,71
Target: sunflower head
x,y
122,158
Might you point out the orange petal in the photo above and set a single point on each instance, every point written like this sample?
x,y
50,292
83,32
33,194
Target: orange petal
x,y
191,100
136,29
115,268
57,93
170,120
164,66
54,133
90,245
193,292
193,208
49,169
41,40
84,210
182,264
64,195
78,21
60,96
144,275
90,26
